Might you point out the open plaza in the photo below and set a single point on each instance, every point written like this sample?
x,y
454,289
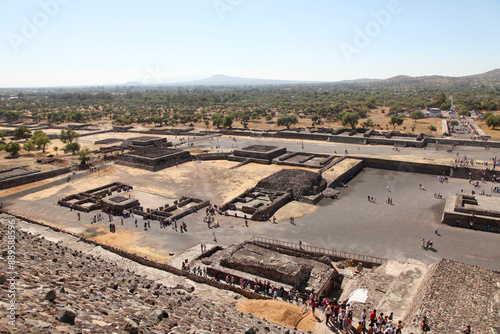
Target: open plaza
x,y
316,203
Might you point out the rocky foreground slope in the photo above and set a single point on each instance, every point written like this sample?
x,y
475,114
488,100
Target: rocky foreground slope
x,y
63,290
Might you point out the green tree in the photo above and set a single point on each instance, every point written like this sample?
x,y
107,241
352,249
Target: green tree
x,y
40,139
396,121
368,123
287,120
454,123
12,148
442,99
68,136
155,119
56,149
29,146
22,132
432,128
2,134
395,109
350,118
493,121
72,147
417,114
207,123
227,121
217,120
84,156
315,119
269,118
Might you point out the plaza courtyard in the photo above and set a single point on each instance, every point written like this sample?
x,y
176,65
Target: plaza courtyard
x,y
349,223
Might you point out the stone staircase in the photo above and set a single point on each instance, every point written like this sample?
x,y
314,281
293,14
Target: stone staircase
x,y
403,288
391,287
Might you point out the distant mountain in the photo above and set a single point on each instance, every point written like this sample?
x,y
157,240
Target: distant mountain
x,y
490,78
225,80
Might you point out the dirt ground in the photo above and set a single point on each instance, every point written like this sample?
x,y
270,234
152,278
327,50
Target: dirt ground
x,y
279,312
125,240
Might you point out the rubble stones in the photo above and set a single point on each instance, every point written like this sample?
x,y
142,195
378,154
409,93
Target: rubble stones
x,y
50,296
300,182
67,315
97,297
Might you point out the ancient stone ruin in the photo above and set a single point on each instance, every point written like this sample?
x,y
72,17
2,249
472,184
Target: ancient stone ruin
x,y
461,209
273,192
115,198
154,159
283,267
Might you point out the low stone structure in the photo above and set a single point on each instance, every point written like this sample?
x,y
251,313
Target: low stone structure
x,y
258,203
109,198
15,172
461,209
303,159
154,159
94,199
296,271
276,190
18,176
118,202
299,182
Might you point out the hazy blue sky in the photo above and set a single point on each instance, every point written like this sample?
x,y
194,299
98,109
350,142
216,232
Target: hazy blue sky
x,y
76,42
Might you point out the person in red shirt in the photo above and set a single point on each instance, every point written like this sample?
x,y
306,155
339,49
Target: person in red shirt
x,y
373,316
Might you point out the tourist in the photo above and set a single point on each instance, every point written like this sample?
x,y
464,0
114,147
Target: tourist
x,y
373,315
424,325
328,314
400,326
342,315
467,330
359,328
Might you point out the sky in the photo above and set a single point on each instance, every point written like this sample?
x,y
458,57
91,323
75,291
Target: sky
x,y
76,42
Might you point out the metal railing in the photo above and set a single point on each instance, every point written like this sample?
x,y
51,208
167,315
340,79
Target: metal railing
x,y
320,250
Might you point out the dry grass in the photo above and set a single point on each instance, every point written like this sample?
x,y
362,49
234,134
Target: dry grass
x,y
279,312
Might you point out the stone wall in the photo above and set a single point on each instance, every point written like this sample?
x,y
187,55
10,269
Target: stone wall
x,y
270,209
153,164
272,153
406,166
212,156
347,175
18,181
293,276
465,142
